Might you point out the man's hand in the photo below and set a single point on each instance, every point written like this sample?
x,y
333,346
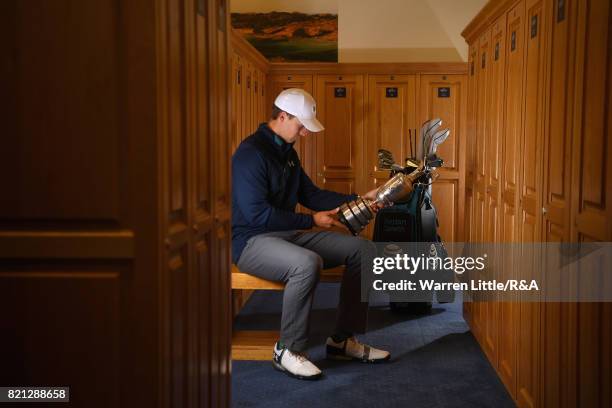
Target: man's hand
x,y
326,219
371,195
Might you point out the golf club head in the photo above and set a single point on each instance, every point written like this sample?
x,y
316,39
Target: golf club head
x,y
428,130
437,139
385,159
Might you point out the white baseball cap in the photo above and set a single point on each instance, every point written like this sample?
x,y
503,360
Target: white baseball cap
x,y
300,104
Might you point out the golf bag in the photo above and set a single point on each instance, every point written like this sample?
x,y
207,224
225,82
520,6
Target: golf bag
x,y
415,220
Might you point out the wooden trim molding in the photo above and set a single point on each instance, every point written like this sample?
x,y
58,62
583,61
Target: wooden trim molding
x,y
244,48
295,68
66,245
485,17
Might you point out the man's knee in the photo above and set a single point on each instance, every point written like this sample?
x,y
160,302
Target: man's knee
x,y
360,249
307,267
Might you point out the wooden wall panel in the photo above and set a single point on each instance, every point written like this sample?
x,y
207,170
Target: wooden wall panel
x,y
39,318
219,45
51,80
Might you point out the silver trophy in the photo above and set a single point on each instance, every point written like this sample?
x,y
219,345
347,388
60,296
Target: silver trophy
x,y
356,214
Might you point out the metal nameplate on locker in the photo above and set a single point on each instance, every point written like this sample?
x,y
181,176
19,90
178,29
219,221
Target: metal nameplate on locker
x,y
202,8
534,26
444,92
340,92
391,92
560,11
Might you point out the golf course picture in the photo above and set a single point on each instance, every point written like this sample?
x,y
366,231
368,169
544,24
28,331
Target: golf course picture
x,y
290,37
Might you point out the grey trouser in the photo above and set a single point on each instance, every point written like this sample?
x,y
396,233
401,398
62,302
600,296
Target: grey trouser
x,y
296,258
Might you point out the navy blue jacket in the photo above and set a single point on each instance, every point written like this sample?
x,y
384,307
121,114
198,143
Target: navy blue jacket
x,y
267,184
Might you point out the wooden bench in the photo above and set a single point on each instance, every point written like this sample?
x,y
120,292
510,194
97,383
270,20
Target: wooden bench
x,y
255,344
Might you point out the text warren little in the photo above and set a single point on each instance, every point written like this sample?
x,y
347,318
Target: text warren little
x,y
477,285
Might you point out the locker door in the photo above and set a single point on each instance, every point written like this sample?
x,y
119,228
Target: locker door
x,y
482,77
591,214
391,115
495,117
443,96
340,147
557,323
248,99
305,145
236,102
511,153
530,190
470,140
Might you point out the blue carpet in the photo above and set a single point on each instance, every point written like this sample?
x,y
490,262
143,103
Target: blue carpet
x,y
435,361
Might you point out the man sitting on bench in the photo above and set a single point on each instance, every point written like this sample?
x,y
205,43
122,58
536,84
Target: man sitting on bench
x,y
269,240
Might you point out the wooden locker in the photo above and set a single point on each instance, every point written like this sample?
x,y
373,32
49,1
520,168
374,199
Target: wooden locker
x,y
530,191
248,98
263,101
470,157
511,154
257,116
305,145
558,361
442,96
253,97
236,101
390,119
340,147
482,79
391,115
495,119
470,141
591,209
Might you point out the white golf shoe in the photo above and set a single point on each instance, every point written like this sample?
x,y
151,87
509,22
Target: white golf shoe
x,y
351,349
294,364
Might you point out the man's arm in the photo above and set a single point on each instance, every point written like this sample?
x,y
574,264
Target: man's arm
x,y
250,187
314,198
